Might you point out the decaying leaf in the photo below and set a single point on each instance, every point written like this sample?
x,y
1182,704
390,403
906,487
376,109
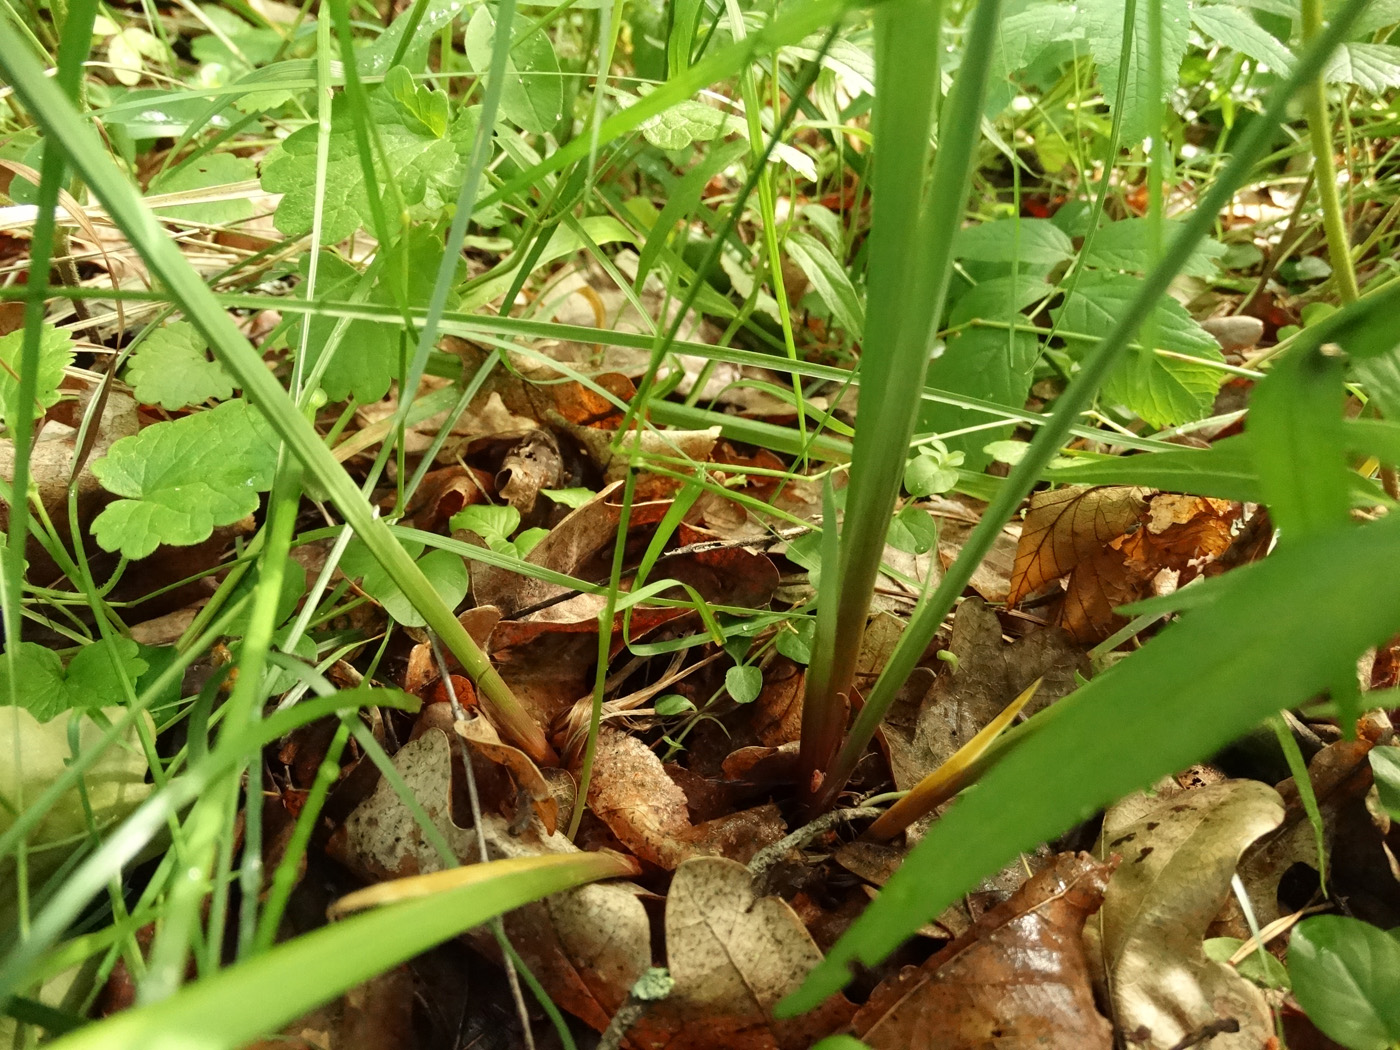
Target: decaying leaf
x,y
733,955
1018,979
1066,526
1177,863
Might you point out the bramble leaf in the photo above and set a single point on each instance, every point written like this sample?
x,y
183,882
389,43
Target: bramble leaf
x,y
686,122
183,478
1123,246
1236,28
532,97
172,369
1162,391
1371,67
55,354
1028,241
426,168
1103,22
45,689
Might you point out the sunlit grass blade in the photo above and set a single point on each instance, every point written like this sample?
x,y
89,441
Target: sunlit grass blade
x,y
230,1009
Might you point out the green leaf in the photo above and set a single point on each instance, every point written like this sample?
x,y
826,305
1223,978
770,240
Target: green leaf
x,y
672,704
55,354
423,109
1260,967
212,169
744,682
1103,23
446,571
1346,977
829,280
532,97
487,521
376,56
933,470
1023,38
367,361
1162,391
427,168
1385,767
796,644
914,530
1122,246
993,363
216,1012
1295,434
46,689
172,368
183,478
572,498
1236,28
1371,67
1028,241
1199,684
684,123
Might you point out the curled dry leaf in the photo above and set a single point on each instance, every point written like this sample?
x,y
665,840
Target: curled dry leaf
x,y
533,464
1067,526
647,811
1178,860
1017,979
529,781
733,955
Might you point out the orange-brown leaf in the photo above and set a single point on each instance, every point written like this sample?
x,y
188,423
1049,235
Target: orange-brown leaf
x,y
1068,526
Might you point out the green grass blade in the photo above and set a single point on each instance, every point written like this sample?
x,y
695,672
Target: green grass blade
x,y
248,1000
65,128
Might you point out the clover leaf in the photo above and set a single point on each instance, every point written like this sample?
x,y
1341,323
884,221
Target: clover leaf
x,y
172,369
184,478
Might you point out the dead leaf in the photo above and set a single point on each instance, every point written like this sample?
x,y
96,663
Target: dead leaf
x,y
1178,861
733,955
531,465
1018,979
484,739
1067,526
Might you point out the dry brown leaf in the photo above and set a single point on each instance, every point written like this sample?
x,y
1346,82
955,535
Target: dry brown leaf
x,y
484,739
1098,586
1067,526
733,955
1178,860
533,464
1017,979
777,713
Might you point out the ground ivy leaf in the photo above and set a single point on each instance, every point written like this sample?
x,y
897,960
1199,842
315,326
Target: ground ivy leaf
x,y
183,478
55,354
532,97
213,169
1103,22
426,168
46,689
172,369
1162,391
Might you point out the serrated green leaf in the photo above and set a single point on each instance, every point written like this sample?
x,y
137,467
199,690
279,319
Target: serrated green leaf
x,y
1371,67
46,689
1346,976
744,682
181,479
367,360
1028,241
532,97
1024,37
55,354
684,123
1237,30
378,53
212,169
171,368
829,280
423,109
1162,391
1123,246
426,168
1103,23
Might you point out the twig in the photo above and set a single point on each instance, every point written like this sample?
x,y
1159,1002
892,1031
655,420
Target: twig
x,y
767,857
651,987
